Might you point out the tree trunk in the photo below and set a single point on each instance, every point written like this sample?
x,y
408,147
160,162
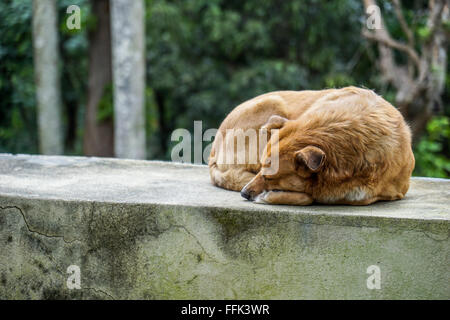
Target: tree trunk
x,y
99,133
47,77
420,82
128,33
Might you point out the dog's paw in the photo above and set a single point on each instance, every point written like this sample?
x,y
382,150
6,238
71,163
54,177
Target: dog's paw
x,y
261,198
284,197
265,196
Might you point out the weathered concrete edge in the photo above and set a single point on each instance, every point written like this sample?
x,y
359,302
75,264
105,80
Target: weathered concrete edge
x,y
436,229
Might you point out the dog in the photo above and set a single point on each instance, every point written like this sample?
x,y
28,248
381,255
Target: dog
x,y
334,146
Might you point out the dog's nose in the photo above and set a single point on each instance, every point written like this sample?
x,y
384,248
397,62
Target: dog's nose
x,y
245,194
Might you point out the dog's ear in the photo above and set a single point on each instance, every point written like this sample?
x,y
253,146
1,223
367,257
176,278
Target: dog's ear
x,y
313,157
274,122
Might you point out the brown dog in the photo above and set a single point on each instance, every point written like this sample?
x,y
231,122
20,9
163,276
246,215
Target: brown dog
x,y
336,146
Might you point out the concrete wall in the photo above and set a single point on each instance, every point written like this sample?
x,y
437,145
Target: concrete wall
x,y
154,230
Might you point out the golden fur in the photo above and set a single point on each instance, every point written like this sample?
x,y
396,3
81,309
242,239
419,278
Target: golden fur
x,y
336,146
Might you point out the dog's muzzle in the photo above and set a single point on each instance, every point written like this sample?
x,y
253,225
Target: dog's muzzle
x,y
246,194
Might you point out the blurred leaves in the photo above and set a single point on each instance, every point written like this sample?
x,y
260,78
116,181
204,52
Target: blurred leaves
x,y
204,57
17,101
105,106
431,159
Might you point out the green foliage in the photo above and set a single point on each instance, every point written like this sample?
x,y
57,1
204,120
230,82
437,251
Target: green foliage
x,y
18,114
17,100
423,33
203,58
105,105
431,152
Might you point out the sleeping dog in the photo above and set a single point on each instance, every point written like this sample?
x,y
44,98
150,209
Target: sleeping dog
x,y
335,146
